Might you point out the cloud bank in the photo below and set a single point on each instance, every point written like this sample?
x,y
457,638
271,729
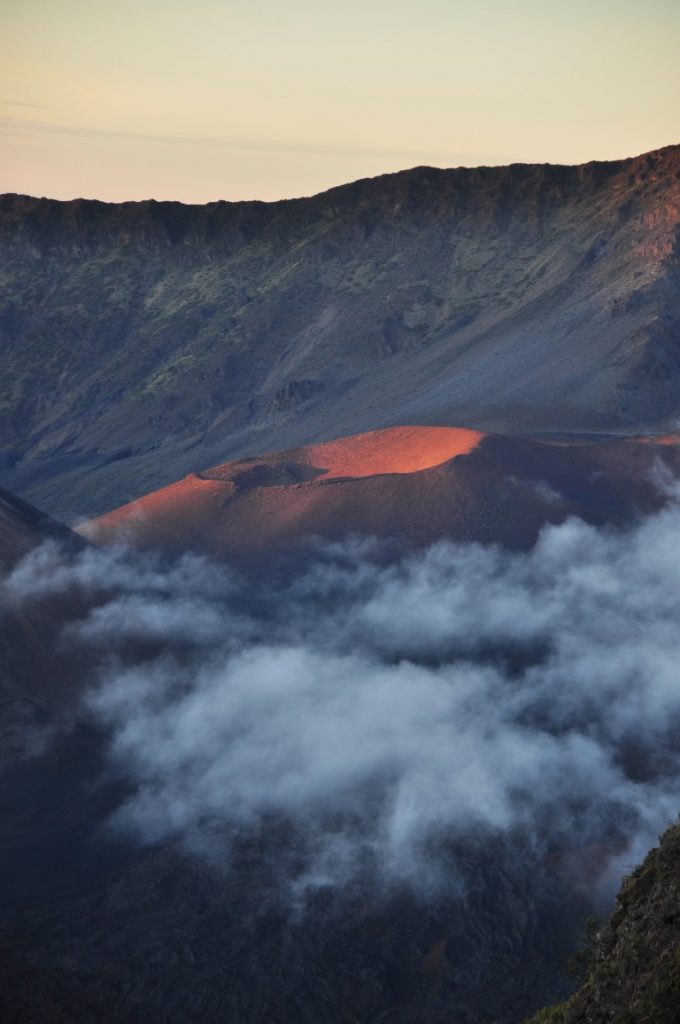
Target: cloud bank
x,y
386,711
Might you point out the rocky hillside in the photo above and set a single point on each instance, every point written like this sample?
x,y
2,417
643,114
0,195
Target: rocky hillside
x,y
633,974
144,340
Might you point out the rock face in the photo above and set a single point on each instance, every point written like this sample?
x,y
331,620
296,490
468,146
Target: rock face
x,y
414,485
145,340
633,969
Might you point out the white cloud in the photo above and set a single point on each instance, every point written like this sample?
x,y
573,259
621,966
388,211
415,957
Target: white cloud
x,y
387,708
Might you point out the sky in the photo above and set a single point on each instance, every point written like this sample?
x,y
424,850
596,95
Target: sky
x,y
227,99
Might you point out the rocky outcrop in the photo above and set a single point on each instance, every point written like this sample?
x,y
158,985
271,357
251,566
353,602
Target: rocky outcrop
x,y
633,967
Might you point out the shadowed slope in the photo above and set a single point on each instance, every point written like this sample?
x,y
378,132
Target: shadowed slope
x,y
38,680
22,527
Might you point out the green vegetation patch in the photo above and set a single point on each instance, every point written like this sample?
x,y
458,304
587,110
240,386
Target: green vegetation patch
x,y
632,968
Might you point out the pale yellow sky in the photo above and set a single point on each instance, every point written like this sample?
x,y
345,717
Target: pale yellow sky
x,y
234,100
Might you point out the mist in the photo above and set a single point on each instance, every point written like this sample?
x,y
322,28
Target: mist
x,y
387,711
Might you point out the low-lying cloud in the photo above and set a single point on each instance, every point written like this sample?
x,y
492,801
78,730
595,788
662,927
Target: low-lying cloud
x,y
384,709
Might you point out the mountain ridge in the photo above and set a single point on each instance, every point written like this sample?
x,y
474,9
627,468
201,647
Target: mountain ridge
x,y
614,165
146,340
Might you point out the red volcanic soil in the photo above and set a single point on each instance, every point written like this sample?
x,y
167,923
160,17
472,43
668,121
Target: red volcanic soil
x,y
669,439
415,484
379,452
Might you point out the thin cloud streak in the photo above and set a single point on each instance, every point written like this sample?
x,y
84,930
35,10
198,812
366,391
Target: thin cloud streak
x,y
15,125
23,105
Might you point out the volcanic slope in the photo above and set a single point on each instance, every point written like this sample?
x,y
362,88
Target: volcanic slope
x,y
33,670
143,340
410,484
38,679
23,527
